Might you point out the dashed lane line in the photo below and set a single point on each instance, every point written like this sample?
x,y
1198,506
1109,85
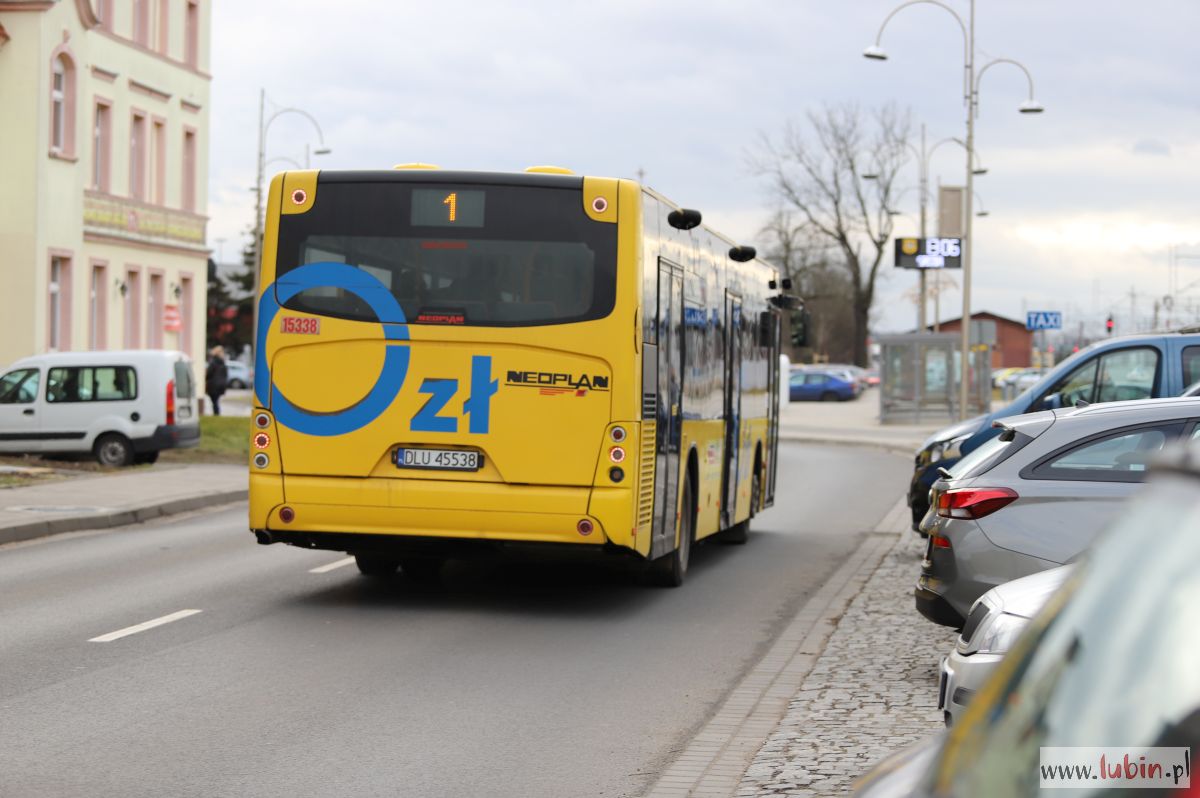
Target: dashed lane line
x,y
142,627
324,569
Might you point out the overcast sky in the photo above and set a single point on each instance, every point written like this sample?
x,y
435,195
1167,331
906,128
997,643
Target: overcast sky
x,y
1083,200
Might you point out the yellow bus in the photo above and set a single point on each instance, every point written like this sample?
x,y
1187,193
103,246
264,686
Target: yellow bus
x,y
453,364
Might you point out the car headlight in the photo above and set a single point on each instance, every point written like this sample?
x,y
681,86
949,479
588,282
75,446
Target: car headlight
x,y
997,633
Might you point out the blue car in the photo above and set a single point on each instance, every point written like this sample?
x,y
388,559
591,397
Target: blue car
x,y
820,386
1132,367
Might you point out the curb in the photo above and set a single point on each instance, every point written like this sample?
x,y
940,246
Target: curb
x,y
122,517
907,449
713,762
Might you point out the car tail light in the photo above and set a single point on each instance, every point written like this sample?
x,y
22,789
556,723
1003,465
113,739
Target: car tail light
x,y
973,502
170,403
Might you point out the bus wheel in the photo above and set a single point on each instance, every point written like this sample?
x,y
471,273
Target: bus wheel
x,y
423,570
669,570
376,564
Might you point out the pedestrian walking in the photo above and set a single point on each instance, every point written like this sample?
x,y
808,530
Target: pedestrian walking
x,y
216,377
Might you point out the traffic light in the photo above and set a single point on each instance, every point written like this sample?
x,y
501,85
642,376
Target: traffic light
x,y
801,322
1108,325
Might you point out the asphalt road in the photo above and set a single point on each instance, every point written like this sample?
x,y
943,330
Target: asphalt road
x,y
507,680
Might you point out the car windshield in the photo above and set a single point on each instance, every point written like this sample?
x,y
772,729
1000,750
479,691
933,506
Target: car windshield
x,y
1112,665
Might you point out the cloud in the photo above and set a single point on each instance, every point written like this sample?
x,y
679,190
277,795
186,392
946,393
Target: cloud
x,y
1151,147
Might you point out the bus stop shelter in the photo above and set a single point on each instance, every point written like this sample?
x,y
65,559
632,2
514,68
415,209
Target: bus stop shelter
x,y
919,378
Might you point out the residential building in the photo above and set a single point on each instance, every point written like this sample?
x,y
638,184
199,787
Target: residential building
x,y
1012,344
104,152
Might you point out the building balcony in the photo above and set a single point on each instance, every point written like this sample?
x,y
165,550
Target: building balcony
x,y
124,220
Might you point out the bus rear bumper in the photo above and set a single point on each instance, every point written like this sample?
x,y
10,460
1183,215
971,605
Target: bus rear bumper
x,y
371,514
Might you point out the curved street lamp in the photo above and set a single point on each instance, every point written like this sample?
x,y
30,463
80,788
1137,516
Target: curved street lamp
x,y
264,125
971,80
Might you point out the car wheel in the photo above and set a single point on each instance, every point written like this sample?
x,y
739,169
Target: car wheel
x,y
376,564
669,570
113,449
829,396
146,458
423,570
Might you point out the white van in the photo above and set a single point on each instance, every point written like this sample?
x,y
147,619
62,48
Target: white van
x,y
123,407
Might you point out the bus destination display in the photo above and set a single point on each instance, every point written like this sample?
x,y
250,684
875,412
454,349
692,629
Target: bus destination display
x,y
447,207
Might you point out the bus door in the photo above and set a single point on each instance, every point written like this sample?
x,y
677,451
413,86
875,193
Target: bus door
x,y
669,413
774,376
733,407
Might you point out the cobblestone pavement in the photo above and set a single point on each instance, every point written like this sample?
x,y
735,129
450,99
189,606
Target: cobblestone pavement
x,y
872,690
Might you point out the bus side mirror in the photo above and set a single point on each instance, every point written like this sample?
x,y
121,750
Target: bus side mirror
x,y
743,254
684,219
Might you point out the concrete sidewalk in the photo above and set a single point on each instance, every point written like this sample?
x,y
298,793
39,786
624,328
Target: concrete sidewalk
x,y
854,423
114,499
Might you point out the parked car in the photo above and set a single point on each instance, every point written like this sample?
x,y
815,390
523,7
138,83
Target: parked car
x,y
1000,375
872,378
1036,496
1023,380
1132,367
1109,661
123,406
812,385
994,622
241,376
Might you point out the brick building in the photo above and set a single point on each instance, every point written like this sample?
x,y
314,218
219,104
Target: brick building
x,y
1014,344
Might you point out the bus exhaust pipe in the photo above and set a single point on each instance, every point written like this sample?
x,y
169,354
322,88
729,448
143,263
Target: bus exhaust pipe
x,y
263,537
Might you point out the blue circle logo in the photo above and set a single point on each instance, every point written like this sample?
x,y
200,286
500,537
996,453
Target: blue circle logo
x,y
327,274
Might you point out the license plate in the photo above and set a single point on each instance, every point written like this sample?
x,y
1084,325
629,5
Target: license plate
x,y
438,459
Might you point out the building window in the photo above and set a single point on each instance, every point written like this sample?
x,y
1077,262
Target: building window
x,y
133,309
164,29
185,313
141,22
188,202
59,316
154,312
102,147
98,308
104,13
191,55
137,157
158,163
62,106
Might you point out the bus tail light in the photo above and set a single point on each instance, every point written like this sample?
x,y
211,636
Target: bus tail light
x,y
617,454
170,403
262,440
261,460
287,515
617,434
973,503
584,526
262,421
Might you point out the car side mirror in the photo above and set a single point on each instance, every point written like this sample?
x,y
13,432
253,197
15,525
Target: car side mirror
x,y
1051,401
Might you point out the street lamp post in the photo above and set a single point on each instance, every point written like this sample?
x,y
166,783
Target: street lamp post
x,y
971,80
264,125
924,157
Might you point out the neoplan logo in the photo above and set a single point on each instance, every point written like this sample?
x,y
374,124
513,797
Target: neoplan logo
x,y
552,379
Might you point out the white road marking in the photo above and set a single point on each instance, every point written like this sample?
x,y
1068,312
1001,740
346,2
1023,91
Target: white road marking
x,y
324,569
141,627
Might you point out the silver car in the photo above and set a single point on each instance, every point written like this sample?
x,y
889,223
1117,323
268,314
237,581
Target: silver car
x,y
1037,495
992,625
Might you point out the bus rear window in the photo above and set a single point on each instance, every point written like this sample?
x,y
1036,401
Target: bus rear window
x,y
533,258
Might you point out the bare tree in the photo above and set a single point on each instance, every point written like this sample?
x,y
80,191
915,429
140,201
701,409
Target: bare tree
x,y
819,175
